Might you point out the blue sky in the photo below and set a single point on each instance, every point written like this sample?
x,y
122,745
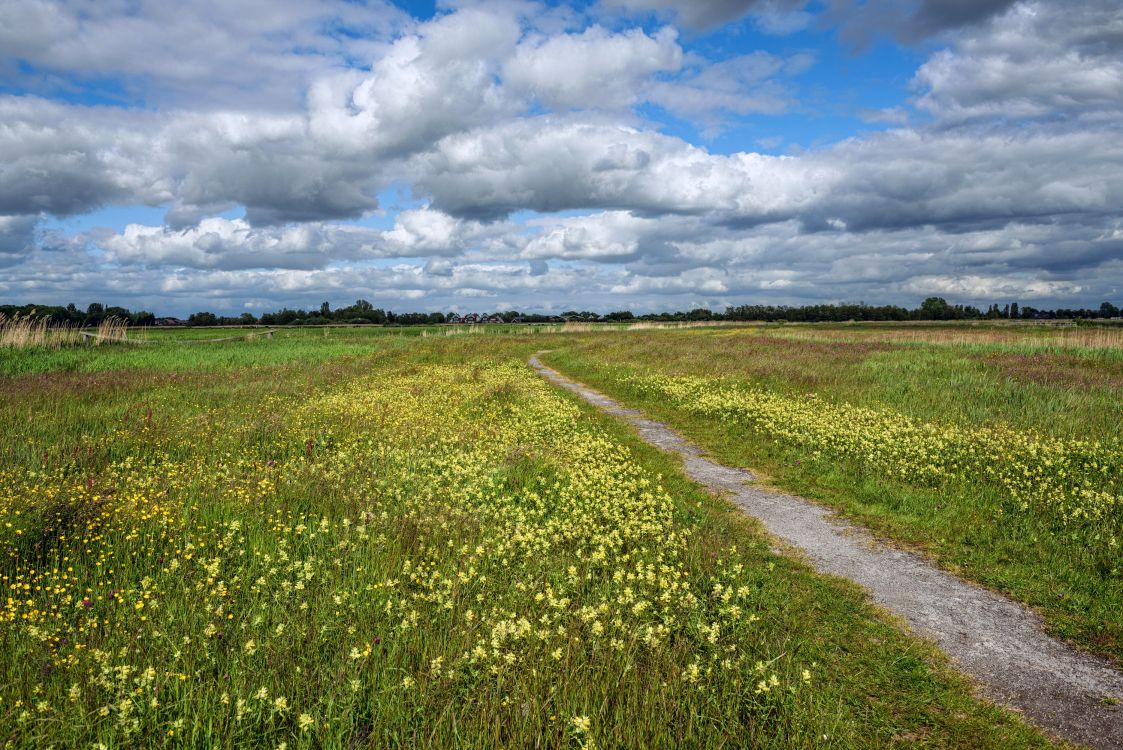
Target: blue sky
x,y
497,154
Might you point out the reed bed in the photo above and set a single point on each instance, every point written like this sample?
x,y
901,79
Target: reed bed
x,y
27,332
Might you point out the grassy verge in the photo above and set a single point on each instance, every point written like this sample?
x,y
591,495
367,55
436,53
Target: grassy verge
x,y
426,546
974,524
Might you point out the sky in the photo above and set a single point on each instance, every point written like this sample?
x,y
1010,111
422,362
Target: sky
x,y
480,155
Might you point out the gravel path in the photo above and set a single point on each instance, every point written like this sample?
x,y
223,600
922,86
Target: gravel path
x,y
999,643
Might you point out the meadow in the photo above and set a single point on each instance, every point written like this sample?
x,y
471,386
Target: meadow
x,y
994,450
355,539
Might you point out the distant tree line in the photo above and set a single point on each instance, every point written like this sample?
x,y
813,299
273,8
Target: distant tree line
x,y
94,313
933,308
365,313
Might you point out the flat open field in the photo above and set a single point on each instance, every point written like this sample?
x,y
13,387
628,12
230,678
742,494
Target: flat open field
x,y
359,538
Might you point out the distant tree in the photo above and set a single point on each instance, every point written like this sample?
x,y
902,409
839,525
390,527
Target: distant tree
x,y
325,310
247,319
935,308
1108,310
202,319
1014,312
95,312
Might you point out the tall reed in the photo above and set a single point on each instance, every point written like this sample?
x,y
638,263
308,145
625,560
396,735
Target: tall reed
x,y
28,331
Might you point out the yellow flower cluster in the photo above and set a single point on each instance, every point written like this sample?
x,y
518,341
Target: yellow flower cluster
x,y
1076,482
401,546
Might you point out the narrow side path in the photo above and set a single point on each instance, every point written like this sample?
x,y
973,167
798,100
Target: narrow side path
x,y
1001,644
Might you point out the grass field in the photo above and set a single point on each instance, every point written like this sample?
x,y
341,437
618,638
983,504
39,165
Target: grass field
x,y
358,539
995,450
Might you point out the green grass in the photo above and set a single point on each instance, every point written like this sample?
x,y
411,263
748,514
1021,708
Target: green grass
x,y
179,349
969,526
225,497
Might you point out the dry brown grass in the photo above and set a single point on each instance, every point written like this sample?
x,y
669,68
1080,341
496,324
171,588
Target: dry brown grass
x,y
644,325
1037,335
572,326
25,332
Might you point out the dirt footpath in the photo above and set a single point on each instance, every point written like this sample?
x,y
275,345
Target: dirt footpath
x,y
999,643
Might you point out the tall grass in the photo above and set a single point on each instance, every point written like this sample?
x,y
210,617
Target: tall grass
x,y
674,325
23,332
1102,339
30,332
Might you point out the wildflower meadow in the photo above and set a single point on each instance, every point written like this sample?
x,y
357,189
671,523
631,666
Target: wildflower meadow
x,y
421,546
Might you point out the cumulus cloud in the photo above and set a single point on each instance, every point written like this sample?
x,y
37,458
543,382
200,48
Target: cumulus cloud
x,y
965,179
1037,61
231,244
66,160
427,232
991,287
235,52
466,70
608,236
860,21
553,164
234,243
428,84
595,68
1009,183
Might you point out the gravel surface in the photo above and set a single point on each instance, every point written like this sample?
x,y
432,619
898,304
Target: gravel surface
x,y
999,643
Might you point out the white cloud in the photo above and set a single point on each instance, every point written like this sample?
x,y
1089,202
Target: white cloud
x,y
66,160
1013,188
426,232
437,81
1038,60
552,164
991,287
595,68
210,53
609,236
234,243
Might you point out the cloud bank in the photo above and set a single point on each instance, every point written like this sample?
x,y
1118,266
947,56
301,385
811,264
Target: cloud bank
x,y
547,158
